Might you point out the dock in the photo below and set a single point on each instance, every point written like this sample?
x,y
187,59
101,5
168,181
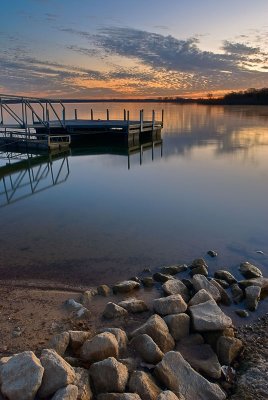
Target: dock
x,y
42,123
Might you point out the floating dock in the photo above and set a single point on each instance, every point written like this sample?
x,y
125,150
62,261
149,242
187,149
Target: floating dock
x,y
32,122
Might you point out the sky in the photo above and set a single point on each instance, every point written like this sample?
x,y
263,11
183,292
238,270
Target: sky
x,y
132,48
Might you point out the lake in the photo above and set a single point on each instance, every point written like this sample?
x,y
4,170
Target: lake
x,y
98,218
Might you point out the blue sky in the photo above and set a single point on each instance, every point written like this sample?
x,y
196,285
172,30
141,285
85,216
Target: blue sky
x,y
116,48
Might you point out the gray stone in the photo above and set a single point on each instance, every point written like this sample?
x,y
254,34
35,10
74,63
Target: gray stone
x,y
202,358
178,324
148,281
250,271
125,286
156,327
130,362
223,283
74,361
60,342
212,253
159,277
87,297
78,338
78,309
237,293
173,304
252,297
209,317
120,335
134,305
69,392
112,311
225,275
82,382
118,396
144,385
212,337
147,348
197,263
242,313
104,290
175,286
177,375
168,395
228,349
109,375
201,282
21,376
225,299
261,282
57,373
189,341
200,297
200,269
174,269
98,348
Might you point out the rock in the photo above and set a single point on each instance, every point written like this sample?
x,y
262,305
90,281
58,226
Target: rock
x,y
212,337
156,327
228,349
57,373
223,283
78,338
147,349
209,317
177,375
237,293
202,358
60,342
225,299
120,335
200,269
148,281
109,376
188,284
73,361
178,324
82,382
125,286
252,297
88,295
104,290
21,376
198,262
69,392
261,282
144,385
250,271
98,348
112,311
201,282
200,297
134,305
225,275
131,363
168,395
174,269
242,313
79,310
175,286
189,341
212,253
118,396
173,304
159,277
135,279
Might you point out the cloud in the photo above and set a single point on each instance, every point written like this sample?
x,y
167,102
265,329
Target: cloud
x,y
239,48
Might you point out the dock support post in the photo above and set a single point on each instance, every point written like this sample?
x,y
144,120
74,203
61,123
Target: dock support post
x,y
63,116
153,119
141,120
75,113
125,114
108,116
91,114
128,121
162,117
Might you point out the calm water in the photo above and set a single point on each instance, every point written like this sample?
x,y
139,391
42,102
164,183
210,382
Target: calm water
x,y
103,221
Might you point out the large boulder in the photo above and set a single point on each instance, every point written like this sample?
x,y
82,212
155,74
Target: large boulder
x,y
82,383
118,396
200,269
200,297
103,290
112,311
228,349
134,305
159,277
125,286
108,375
69,392
174,269
175,286
177,375
252,297
156,327
168,395
209,317
147,349
21,376
57,373
173,304
225,298
250,271
178,324
120,335
225,276
202,358
78,338
100,347
201,282
261,282
60,342
144,385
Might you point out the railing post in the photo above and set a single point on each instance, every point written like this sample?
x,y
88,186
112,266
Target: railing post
x,y
108,115
125,116
75,113
153,118
141,120
91,112
162,117
63,115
